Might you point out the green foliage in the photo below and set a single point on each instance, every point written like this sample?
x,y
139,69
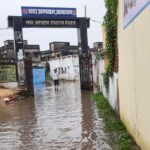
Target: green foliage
x,y
106,76
99,55
7,73
119,137
110,22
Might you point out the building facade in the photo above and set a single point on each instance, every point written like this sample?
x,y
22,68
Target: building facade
x,y
33,51
67,66
56,46
134,75
7,52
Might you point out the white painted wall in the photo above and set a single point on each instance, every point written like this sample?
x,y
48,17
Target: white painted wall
x,y
101,66
102,87
94,68
101,72
9,85
69,63
113,86
134,74
113,91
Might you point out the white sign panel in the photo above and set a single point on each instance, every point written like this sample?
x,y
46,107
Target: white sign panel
x,y
132,8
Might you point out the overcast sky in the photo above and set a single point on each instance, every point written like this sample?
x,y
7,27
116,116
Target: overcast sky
x,y
95,10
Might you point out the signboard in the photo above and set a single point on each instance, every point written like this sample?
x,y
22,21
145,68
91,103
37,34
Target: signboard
x,y
50,23
7,73
46,12
132,8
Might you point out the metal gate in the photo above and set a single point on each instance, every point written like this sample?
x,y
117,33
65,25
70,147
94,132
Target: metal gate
x,y
86,75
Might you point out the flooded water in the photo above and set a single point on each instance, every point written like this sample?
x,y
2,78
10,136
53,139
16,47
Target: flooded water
x,y
53,120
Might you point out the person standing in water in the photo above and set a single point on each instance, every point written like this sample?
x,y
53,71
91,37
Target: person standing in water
x,y
56,79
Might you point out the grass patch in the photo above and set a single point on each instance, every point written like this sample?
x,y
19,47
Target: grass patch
x,y
119,137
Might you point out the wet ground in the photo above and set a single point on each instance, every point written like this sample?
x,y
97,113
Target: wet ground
x,y
66,119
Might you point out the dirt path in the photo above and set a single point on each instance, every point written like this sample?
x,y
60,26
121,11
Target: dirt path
x,y
6,92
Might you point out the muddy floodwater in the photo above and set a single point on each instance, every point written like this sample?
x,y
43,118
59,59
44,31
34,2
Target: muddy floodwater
x,y
66,119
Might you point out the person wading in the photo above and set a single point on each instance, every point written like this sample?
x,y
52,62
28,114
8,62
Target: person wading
x,y
56,79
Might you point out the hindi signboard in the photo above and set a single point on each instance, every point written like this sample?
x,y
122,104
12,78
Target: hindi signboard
x,y
51,23
132,8
48,12
69,23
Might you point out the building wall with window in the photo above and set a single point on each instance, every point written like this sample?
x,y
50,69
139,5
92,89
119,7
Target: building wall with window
x,y
33,51
56,46
67,66
134,73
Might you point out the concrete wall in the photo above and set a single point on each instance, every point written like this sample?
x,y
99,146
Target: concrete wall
x,y
95,69
112,96
134,75
9,85
69,64
113,92
101,73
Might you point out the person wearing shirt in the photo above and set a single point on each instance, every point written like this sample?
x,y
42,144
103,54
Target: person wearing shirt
x,y
55,77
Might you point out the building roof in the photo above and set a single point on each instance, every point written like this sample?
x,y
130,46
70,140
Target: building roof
x,y
59,42
32,47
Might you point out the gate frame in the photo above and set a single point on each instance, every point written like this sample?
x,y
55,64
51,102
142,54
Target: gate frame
x,y
16,22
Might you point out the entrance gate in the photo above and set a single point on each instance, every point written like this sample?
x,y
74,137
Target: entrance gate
x,y
34,20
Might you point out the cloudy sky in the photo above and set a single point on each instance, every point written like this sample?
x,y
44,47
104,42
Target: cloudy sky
x,y
95,11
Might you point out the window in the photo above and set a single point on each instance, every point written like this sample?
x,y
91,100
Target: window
x,y
36,55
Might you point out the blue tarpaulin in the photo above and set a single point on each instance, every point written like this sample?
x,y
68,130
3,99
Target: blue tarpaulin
x,y
39,75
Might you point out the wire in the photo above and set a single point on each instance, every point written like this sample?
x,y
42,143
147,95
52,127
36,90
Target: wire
x,y
96,21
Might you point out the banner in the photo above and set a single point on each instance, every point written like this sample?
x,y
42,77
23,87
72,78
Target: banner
x,y
46,23
46,12
132,8
7,73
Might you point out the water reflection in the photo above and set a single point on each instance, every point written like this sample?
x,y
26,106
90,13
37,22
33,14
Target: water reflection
x,y
53,120
16,122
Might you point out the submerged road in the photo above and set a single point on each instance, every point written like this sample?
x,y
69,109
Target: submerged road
x,y
66,119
